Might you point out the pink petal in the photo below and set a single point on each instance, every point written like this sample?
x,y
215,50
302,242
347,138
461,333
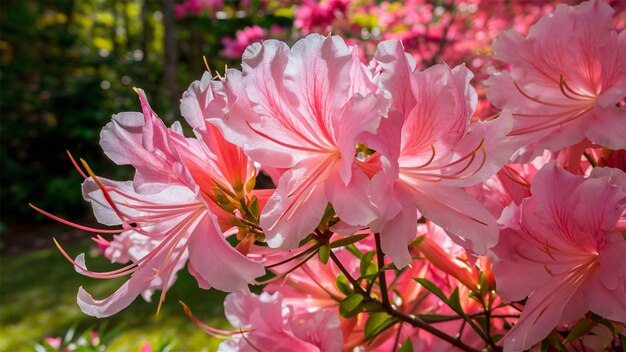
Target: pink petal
x,y
351,201
458,214
540,315
215,262
283,221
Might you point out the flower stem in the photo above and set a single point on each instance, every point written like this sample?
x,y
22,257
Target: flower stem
x,y
414,321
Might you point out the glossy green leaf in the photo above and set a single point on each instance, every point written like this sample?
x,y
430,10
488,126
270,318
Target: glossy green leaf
x,y
377,323
366,260
432,288
407,346
324,253
348,307
436,318
342,284
347,240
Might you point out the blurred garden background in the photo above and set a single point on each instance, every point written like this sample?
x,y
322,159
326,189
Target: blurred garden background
x,y
67,65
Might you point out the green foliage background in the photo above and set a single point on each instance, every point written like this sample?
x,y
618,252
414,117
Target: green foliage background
x,y
66,66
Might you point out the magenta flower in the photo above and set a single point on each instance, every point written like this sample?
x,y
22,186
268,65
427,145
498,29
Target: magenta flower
x,y
563,248
566,79
433,151
303,109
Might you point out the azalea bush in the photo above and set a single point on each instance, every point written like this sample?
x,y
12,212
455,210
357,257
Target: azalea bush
x,y
402,218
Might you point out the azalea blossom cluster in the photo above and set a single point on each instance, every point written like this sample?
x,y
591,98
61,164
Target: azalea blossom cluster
x,y
399,220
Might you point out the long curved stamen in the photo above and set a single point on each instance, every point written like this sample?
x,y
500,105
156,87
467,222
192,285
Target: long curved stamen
x,y
80,171
219,333
435,177
537,100
177,233
106,194
100,240
287,145
562,88
515,176
309,185
563,84
548,124
555,114
471,155
97,275
73,224
283,275
206,64
291,258
430,160
571,283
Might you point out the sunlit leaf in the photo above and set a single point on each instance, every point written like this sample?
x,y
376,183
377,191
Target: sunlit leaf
x,y
347,240
347,307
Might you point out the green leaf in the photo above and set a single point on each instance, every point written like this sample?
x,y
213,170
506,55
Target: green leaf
x,y
342,284
377,323
235,221
390,266
455,303
324,253
348,307
372,275
432,288
254,206
366,261
352,249
407,346
348,240
370,307
581,328
417,241
306,240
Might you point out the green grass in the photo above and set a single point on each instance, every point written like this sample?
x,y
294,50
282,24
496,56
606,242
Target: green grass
x,y
38,299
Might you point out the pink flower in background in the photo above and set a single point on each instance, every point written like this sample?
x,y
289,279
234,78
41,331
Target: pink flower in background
x,y
564,250
268,324
197,7
234,48
54,342
432,151
565,80
304,109
318,16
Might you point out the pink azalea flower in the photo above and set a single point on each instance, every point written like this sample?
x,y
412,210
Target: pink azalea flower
x,y
432,151
267,324
564,250
166,215
511,184
565,80
197,7
318,16
303,109
234,48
